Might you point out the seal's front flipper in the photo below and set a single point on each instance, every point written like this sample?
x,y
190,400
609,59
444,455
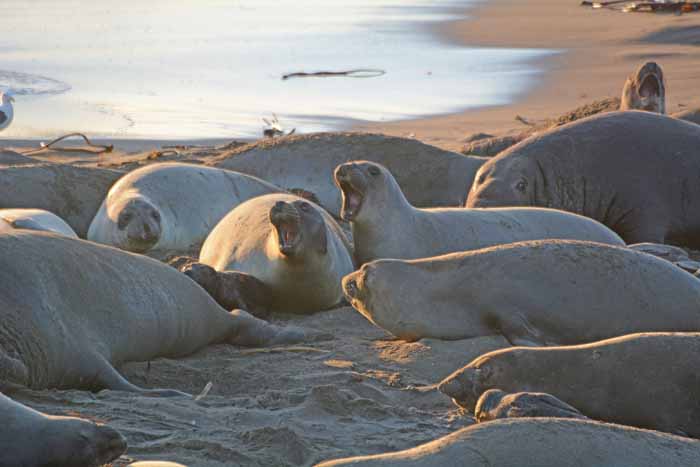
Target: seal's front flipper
x,y
519,331
107,377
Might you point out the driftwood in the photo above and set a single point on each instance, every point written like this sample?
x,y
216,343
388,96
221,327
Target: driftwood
x,y
357,73
646,7
91,149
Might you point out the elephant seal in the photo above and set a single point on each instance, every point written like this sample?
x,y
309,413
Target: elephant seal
x,y
290,244
692,116
541,442
645,90
37,219
73,310
32,438
73,193
648,380
429,176
494,404
554,292
170,207
232,289
385,225
633,171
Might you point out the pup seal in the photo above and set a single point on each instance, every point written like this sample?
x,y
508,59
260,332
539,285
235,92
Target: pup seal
x,y
645,90
541,442
647,380
232,289
31,438
170,207
72,310
385,225
553,292
633,171
495,404
73,193
429,176
37,219
293,246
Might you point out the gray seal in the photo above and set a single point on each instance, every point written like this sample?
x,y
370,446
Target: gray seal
x,y
647,380
386,225
73,310
549,292
633,171
541,442
32,438
290,244
73,193
494,404
429,176
170,207
645,90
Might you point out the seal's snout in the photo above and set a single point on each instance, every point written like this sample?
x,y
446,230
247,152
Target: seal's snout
x,y
286,220
140,223
111,444
461,388
350,287
352,185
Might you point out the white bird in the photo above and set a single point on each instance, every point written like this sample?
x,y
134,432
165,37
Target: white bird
x,y
6,110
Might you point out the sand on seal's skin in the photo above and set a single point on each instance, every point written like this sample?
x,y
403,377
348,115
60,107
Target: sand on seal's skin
x,y
359,392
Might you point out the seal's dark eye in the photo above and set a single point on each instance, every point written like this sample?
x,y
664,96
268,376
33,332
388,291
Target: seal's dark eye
x,y
305,207
373,170
482,179
521,185
156,216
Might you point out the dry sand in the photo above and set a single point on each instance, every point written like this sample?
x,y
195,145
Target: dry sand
x,y
360,392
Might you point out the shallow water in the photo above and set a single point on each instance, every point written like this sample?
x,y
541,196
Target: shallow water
x,y
212,68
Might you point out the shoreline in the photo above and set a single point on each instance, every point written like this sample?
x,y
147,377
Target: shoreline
x,y
598,50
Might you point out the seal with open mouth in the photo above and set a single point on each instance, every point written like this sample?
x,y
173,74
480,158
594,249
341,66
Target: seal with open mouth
x,y
385,225
645,90
290,244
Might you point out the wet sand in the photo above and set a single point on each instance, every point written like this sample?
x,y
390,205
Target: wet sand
x,y
598,50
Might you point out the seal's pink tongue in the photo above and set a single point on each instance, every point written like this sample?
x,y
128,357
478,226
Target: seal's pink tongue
x,y
354,201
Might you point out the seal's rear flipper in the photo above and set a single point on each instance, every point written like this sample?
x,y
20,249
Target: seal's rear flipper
x,y
107,377
250,331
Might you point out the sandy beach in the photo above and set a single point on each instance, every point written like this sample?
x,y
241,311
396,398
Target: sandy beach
x,y
360,391
598,50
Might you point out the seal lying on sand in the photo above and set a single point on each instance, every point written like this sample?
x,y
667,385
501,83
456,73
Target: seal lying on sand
x,y
73,193
692,116
292,245
542,442
428,175
645,90
37,219
170,207
31,438
385,225
494,404
72,310
533,293
633,171
647,380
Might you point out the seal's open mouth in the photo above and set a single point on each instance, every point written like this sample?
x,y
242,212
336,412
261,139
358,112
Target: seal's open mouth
x,y
352,200
286,220
649,91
